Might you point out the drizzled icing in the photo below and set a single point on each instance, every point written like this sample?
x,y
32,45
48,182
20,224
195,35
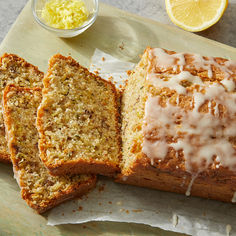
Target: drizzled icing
x,y
188,192
166,61
204,138
174,82
234,197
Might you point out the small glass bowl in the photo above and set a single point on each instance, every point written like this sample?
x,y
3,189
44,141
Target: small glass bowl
x,y
92,6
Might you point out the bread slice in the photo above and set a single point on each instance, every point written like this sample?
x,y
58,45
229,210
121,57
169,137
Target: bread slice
x,y
38,188
15,70
179,125
78,121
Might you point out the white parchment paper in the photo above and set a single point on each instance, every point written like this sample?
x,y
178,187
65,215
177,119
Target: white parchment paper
x,y
123,203
109,67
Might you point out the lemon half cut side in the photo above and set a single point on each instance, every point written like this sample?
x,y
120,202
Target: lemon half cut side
x,y
195,15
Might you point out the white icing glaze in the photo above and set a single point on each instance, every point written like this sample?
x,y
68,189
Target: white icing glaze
x,y
151,147
165,60
228,84
174,81
124,178
234,198
201,63
188,192
198,144
159,149
205,135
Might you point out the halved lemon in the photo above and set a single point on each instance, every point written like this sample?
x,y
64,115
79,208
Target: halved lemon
x,y
195,15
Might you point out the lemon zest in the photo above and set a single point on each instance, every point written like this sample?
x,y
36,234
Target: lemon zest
x,y
65,14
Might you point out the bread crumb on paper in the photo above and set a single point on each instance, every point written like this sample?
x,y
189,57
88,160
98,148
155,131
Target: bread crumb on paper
x,y
137,210
119,203
121,46
175,220
101,188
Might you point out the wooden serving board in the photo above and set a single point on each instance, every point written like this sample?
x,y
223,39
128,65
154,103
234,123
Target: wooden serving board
x,y
115,32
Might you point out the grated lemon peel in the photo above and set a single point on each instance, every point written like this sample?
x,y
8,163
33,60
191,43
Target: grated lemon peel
x,y
65,14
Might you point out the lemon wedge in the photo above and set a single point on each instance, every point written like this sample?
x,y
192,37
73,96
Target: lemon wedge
x,y
195,15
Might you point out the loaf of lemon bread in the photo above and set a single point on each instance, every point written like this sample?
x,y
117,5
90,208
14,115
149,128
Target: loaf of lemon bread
x,y
78,121
179,125
38,188
16,70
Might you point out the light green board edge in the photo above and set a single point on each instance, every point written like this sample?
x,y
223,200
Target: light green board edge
x,y
112,30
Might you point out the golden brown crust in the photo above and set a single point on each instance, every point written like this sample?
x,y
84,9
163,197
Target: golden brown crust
x,y
84,167
211,185
5,158
217,73
77,188
14,57
169,183
4,155
73,62
169,173
108,168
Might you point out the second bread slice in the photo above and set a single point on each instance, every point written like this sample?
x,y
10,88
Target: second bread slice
x,y
38,188
78,121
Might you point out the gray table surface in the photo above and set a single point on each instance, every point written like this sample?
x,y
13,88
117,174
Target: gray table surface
x,y
224,31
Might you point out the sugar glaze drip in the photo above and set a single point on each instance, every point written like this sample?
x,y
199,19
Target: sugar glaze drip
x,y
234,198
188,192
205,134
